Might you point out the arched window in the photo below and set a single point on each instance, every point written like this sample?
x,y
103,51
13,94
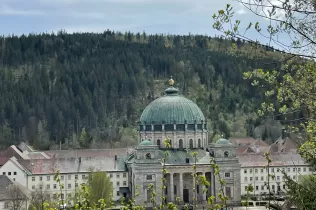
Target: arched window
x,y
191,143
226,154
180,144
158,143
199,143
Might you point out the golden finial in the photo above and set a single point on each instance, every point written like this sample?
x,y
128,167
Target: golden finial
x,y
171,81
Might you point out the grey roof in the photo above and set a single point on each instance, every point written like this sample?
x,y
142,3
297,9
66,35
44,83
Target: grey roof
x,y
279,159
6,193
72,165
89,153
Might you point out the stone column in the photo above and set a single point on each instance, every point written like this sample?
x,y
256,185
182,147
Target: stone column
x,y
181,186
203,187
171,188
194,193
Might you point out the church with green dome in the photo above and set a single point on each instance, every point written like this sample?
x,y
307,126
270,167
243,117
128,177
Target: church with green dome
x,y
176,125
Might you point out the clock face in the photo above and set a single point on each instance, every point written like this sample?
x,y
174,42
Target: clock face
x,y
148,156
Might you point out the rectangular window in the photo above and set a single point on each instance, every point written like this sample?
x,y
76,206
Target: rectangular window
x,y
33,178
284,187
227,175
257,187
250,170
124,183
262,187
257,178
9,173
299,169
117,175
41,186
245,171
294,169
76,177
14,173
272,170
83,177
69,195
124,175
54,196
13,179
76,184
117,193
62,196
111,175
197,189
41,178
304,169
245,188
262,178
55,186
250,178
294,177
69,186
69,177
245,179
3,173
256,170
262,170
288,170
48,187
149,177
273,187
48,178
62,177
278,178
117,183
33,187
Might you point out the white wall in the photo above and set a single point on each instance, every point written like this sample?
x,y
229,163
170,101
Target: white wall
x,y
258,176
11,170
71,182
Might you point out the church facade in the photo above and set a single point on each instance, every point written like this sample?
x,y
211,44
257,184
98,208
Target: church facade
x,y
182,123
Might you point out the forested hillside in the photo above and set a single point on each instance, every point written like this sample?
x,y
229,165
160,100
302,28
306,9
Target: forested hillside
x,y
54,85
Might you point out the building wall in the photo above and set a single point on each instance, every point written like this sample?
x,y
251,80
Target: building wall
x,y
6,205
258,177
11,170
175,138
72,181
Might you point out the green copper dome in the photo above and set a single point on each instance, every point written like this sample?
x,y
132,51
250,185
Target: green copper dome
x,y
171,108
222,141
146,143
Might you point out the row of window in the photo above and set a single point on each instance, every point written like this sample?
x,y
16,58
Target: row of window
x,y
181,143
9,173
262,187
83,177
256,170
278,178
69,186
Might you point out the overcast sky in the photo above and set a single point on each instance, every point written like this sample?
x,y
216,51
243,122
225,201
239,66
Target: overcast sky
x,y
153,16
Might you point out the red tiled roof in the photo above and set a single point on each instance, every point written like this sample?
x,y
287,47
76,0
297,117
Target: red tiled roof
x,y
242,141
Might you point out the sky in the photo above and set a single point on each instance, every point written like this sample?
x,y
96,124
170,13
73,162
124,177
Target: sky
x,y
152,16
